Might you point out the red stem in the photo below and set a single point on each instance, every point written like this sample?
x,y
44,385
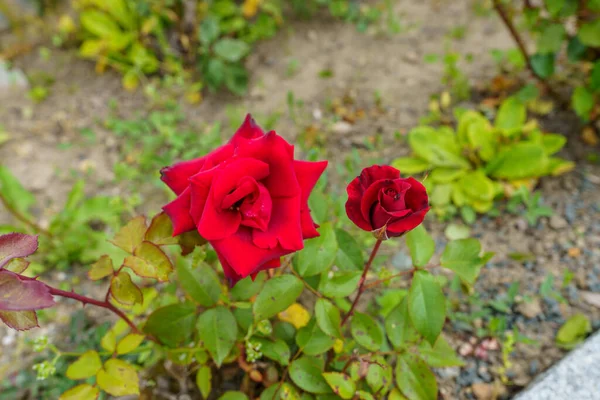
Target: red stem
x,y
87,300
363,278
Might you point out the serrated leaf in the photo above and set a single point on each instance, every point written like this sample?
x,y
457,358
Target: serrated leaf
x,y
349,254
248,287
109,341
462,257
86,366
306,373
339,284
18,294
129,343
277,295
149,261
160,231
366,332
172,324
101,268
312,340
17,265
415,379
217,329
84,391
398,326
204,380
16,245
421,246
131,235
118,378
200,283
318,254
19,320
124,291
328,318
341,384
426,305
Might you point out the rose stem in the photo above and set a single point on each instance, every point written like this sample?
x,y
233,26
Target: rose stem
x,y
15,213
363,278
87,300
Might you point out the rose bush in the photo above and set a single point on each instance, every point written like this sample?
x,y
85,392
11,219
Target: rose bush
x,y
248,198
380,201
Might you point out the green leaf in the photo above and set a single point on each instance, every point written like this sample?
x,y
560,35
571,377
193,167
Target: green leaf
x,y
573,331
118,378
101,268
160,231
589,33
248,287
209,30
349,254
129,343
421,246
414,378
200,283
595,77
543,65
217,330
366,332
575,49
99,24
172,324
379,375
204,380
86,366
426,305
149,261
410,165
286,391
231,395
551,39
328,318
277,350
457,231
462,257
477,185
131,235
552,143
277,295
81,392
438,147
124,291
306,373
312,340
318,254
341,384
518,161
232,50
582,102
511,116
554,6
558,166
441,355
398,327
13,192
446,175
341,284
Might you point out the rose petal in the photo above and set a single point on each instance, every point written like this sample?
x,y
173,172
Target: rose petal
x,y
200,188
279,155
308,173
398,227
240,253
179,212
381,217
371,197
176,176
416,197
247,131
229,175
246,187
355,192
396,202
284,228
256,213
217,223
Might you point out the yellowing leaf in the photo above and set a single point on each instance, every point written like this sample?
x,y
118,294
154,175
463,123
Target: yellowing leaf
x,y
85,366
250,8
101,268
19,320
131,235
160,231
81,392
124,291
296,315
118,378
150,261
129,343
109,341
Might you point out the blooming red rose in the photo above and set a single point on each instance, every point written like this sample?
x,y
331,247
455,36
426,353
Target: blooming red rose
x,y
248,198
379,200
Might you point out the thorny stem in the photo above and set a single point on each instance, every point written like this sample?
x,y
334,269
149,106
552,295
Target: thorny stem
x,y
521,44
19,216
363,278
88,300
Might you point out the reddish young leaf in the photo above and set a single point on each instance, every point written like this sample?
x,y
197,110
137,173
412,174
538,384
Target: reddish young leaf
x,y
22,295
15,245
19,320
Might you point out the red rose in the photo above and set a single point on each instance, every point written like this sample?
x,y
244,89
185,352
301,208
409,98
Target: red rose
x,y
248,198
379,200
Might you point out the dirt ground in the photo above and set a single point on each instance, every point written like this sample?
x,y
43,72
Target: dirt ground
x,y
362,64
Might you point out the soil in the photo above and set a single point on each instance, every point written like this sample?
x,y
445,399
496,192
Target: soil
x,y
362,65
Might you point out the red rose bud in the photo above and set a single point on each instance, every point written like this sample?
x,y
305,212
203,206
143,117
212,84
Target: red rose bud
x,y
385,204
248,198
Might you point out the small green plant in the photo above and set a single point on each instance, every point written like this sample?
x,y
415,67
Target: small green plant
x,y
480,161
534,208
